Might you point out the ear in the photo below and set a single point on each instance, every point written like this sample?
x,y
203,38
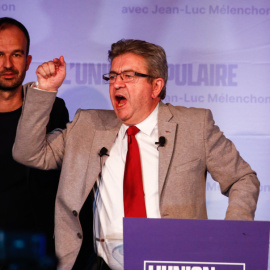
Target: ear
x,y
28,61
157,85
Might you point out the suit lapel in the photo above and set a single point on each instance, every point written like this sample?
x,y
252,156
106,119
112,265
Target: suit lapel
x,y
168,130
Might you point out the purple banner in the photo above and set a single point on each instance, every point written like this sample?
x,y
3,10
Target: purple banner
x,y
193,266
168,244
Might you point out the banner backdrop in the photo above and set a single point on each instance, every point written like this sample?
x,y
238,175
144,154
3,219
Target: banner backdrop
x,y
218,54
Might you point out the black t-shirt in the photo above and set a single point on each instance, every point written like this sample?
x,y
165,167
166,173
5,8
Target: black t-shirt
x,y
15,202
27,195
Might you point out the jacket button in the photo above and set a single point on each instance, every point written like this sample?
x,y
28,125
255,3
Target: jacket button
x,y
79,235
74,213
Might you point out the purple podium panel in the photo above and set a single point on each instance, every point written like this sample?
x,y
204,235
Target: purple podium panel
x,y
183,244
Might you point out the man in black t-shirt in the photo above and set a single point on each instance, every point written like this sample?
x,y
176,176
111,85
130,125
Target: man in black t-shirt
x,y
26,195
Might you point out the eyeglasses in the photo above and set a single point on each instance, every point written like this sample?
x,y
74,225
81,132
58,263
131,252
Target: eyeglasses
x,y
126,76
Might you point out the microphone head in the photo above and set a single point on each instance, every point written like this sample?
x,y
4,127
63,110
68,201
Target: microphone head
x,y
162,141
103,151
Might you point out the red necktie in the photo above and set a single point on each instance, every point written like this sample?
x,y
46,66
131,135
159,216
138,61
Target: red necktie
x,y
134,204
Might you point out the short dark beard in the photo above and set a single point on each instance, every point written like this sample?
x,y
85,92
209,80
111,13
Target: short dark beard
x,y
14,86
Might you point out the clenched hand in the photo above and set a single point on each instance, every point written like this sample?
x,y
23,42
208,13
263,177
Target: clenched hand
x,y
51,74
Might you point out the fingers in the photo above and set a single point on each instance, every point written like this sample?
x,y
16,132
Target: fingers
x,y
47,70
50,75
62,61
59,62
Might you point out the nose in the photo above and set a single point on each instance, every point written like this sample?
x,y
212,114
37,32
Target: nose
x,y
7,62
118,83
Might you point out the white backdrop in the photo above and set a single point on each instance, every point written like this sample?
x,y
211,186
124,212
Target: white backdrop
x,y
218,54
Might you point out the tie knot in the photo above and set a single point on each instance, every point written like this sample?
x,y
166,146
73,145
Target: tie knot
x,y
133,130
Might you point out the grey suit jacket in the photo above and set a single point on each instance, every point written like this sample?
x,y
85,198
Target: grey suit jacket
x,y
194,145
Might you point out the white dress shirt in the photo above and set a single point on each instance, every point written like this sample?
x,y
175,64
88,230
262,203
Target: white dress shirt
x,y
108,217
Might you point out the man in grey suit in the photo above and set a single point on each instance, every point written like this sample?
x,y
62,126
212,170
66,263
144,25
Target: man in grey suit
x,y
177,147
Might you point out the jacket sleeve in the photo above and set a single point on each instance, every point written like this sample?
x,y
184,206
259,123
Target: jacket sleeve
x,y
236,178
33,147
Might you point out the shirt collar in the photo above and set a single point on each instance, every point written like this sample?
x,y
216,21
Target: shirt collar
x,y
146,126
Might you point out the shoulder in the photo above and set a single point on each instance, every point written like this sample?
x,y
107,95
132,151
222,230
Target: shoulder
x,y
98,118
186,114
59,107
102,114
59,102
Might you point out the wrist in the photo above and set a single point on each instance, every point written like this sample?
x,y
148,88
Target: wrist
x,y
37,86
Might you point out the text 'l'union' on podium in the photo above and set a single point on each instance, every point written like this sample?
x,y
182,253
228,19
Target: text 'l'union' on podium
x,y
184,244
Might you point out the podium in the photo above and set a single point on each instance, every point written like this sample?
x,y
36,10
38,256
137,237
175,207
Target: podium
x,y
170,244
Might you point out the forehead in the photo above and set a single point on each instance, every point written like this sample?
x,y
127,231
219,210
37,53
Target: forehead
x,y
129,61
13,38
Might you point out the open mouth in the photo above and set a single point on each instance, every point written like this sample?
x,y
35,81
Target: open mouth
x,y
121,100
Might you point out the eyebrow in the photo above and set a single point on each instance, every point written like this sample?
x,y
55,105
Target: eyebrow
x,y
19,51
122,71
15,51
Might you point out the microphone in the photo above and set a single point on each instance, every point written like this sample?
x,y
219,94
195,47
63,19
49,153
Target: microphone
x,y
161,141
103,152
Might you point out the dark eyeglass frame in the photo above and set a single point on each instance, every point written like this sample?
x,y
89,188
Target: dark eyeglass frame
x,y
107,79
